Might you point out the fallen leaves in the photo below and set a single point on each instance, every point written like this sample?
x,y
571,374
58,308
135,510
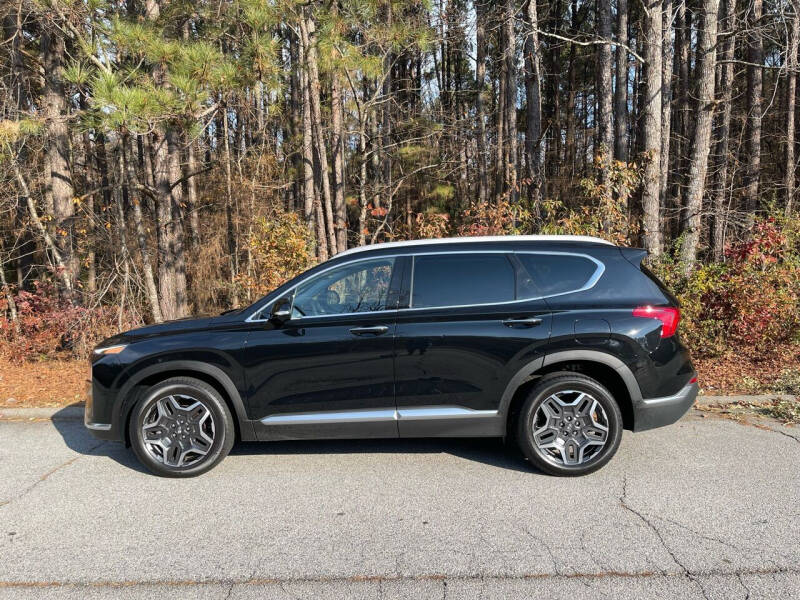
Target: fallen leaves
x,y
42,383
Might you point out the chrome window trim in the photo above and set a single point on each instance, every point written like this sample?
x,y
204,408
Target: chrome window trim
x,y
590,283
411,413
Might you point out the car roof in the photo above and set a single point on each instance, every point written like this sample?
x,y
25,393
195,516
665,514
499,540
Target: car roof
x,y
571,239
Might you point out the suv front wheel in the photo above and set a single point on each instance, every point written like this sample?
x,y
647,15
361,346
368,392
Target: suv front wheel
x,y
569,425
181,427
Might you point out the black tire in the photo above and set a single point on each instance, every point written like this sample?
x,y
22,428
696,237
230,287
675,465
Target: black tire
x,y
562,382
222,422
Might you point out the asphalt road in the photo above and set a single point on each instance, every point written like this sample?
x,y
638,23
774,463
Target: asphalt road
x,y
707,508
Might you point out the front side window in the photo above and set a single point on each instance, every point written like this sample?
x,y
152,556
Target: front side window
x,y
552,274
461,280
353,288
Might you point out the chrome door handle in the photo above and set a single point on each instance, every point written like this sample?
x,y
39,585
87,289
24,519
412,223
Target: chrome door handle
x,y
529,322
376,330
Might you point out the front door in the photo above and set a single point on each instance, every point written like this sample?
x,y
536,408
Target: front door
x,y
328,372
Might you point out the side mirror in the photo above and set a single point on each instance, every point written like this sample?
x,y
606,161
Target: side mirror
x,y
281,310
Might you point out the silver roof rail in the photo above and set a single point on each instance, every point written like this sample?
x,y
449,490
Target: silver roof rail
x,y
485,238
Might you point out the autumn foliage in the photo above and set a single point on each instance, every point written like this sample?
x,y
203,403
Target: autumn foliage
x,y
49,326
750,302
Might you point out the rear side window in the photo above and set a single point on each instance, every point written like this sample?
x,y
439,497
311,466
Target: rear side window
x,y
461,279
552,274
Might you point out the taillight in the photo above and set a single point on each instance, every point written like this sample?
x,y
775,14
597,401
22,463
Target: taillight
x,y
669,317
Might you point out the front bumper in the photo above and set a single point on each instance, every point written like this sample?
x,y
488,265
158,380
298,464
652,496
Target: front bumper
x,y
97,420
650,413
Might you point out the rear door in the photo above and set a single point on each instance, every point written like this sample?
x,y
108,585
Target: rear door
x,y
466,329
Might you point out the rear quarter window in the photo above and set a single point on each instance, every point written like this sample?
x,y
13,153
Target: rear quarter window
x,y
552,274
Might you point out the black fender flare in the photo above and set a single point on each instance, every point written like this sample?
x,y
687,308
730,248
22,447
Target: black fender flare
x,y
124,407
532,367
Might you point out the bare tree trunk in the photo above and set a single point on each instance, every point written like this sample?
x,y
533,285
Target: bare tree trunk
x,y
311,205
701,145
375,162
141,235
192,200
295,123
175,174
189,173
14,37
362,183
171,282
621,90
12,306
61,269
570,142
605,126
652,127
791,89
754,108
58,150
533,88
511,99
19,101
499,176
122,230
308,152
233,255
728,24
339,208
26,247
308,39
386,110
683,34
666,101
480,82
166,169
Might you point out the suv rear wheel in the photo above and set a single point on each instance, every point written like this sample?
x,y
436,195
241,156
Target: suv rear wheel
x,y
569,425
181,428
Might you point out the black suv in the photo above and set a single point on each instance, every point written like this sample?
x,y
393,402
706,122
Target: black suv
x,y
557,342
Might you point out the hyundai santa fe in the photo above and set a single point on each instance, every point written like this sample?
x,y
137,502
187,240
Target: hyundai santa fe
x,y
555,342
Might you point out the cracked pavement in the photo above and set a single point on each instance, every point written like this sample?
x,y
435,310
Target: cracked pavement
x,y
706,508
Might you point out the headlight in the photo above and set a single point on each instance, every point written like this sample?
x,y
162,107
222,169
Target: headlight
x,y
110,349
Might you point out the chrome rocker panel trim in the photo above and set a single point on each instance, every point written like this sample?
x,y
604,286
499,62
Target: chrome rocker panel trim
x,y
386,414
416,421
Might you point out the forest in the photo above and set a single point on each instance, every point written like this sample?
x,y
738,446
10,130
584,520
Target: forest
x,y
161,158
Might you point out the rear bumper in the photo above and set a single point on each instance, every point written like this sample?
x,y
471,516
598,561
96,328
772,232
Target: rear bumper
x,y
650,413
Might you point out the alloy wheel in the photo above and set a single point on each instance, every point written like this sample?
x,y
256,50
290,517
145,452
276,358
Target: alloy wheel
x,y
178,430
570,428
